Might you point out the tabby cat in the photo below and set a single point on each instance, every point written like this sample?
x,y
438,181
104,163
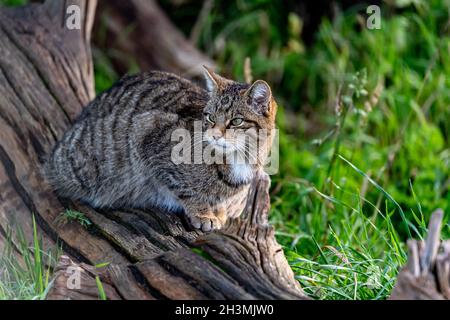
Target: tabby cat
x,y
118,154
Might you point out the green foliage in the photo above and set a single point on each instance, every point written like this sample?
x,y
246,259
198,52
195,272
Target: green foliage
x,y
72,215
25,268
101,291
104,72
13,3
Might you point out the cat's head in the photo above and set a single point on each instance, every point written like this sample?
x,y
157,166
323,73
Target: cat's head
x,y
234,109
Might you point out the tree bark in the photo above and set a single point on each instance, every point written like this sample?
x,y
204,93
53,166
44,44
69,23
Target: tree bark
x,y
426,276
241,261
46,78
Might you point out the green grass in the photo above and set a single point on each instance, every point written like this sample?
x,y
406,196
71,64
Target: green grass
x,y
25,268
72,215
101,291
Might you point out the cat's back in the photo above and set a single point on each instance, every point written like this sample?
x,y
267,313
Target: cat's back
x,y
148,91
132,119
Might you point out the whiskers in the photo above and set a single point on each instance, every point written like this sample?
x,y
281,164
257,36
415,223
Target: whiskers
x,y
249,152
237,149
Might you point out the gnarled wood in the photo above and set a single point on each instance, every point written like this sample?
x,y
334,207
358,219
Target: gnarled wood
x,y
43,86
241,261
45,80
427,273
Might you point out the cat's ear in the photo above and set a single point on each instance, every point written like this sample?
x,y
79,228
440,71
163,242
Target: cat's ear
x,y
259,96
210,79
214,82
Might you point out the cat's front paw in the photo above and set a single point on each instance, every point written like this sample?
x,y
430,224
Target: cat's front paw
x,y
206,223
207,218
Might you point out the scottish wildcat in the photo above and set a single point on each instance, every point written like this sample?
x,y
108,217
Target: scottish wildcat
x,y
119,152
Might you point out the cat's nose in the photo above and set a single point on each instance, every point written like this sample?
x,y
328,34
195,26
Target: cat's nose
x,y
216,134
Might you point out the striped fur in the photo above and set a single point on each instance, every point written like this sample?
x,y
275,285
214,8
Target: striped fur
x,y
117,154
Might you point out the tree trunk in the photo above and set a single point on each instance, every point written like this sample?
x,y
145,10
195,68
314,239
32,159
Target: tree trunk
x,y
45,80
426,276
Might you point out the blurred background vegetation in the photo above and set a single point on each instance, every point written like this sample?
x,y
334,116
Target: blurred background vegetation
x,y
364,119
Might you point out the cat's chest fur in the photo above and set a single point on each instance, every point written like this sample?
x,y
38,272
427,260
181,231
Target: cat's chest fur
x,y
235,176
241,173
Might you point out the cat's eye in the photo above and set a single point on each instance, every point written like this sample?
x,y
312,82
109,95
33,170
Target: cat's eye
x,y
237,122
211,118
